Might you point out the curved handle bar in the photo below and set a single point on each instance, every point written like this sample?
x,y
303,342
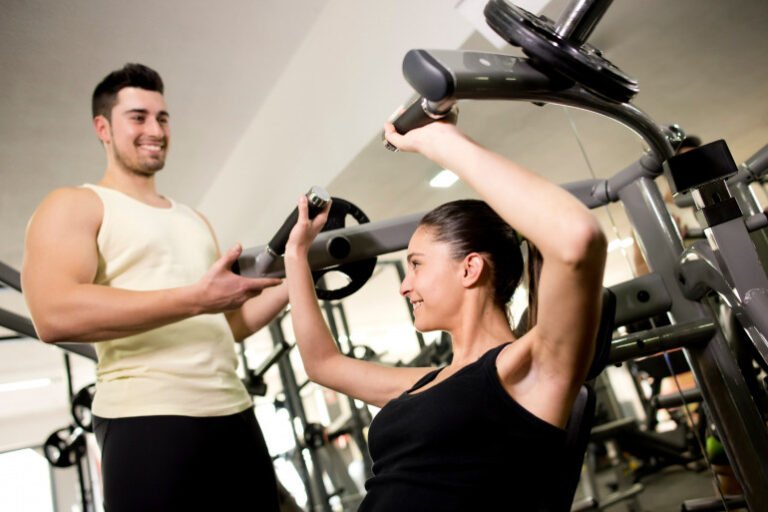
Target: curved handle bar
x,y
317,199
422,112
480,75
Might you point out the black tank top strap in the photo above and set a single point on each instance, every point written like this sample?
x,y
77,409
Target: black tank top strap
x,y
492,354
426,379
488,357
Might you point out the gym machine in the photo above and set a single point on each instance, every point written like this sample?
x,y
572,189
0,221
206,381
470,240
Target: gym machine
x,y
561,68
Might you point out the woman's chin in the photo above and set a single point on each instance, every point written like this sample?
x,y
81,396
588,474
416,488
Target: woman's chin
x,y
424,327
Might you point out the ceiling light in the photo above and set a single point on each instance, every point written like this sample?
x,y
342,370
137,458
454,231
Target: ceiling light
x,y
443,179
21,385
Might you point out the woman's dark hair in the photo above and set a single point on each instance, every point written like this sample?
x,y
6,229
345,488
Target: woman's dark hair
x,y
130,75
470,225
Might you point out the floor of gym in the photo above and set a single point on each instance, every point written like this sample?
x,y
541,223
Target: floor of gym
x,y
664,491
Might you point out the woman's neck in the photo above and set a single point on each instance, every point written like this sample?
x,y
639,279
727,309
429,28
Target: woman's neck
x,y
478,333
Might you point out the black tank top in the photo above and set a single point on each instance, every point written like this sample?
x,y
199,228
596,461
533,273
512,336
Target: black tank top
x,y
462,445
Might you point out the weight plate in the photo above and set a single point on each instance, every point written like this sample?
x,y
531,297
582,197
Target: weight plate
x,y
81,407
64,447
550,53
353,274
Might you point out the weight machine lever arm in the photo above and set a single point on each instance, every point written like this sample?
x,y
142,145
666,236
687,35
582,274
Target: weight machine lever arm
x,y
443,77
365,241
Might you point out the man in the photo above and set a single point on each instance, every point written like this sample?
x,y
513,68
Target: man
x,y
140,275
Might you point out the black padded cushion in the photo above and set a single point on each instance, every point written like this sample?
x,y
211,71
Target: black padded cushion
x,y
577,437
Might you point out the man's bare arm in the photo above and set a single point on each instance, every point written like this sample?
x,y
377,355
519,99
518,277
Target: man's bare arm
x,y
60,263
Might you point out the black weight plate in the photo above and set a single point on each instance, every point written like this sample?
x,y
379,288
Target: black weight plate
x,y
81,407
314,435
549,52
337,216
355,273
62,449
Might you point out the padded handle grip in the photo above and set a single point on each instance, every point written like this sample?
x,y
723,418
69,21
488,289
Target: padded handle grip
x,y
317,198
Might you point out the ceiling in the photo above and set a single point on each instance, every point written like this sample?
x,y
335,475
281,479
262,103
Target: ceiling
x,y
270,97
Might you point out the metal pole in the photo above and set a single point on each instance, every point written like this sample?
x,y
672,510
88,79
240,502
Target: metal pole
x,y
24,326
10,276
293,403
750,206
579,19
82,460
661,339
357,421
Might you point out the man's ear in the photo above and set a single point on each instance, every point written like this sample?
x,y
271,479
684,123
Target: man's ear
x,y
101,126
472,266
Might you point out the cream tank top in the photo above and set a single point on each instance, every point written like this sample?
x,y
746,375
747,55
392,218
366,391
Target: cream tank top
x,y
185,368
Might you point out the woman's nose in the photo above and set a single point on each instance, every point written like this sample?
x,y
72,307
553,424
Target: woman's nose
x,y
405,286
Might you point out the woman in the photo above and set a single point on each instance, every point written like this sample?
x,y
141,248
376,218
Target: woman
x,y
488,427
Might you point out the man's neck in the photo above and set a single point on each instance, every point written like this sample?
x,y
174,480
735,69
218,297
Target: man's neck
x,y
139,186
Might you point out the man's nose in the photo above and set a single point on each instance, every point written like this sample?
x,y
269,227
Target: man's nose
x,y
154,127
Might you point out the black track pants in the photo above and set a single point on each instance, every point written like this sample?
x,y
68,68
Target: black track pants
x,y
165,463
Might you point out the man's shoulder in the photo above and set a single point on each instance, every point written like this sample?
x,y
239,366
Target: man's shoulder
x,y
70,201
70,194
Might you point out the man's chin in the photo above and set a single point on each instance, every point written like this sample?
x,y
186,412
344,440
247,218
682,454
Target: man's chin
x,y
154,166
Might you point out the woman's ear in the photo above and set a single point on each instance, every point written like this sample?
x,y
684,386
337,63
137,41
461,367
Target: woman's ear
x,y
472,266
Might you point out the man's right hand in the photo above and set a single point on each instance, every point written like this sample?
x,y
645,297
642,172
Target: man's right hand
x,y
221,290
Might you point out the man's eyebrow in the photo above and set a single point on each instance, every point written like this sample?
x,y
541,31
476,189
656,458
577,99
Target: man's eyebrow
x,y
144,111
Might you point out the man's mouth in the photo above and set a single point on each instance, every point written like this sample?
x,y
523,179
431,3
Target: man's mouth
x,y
152,148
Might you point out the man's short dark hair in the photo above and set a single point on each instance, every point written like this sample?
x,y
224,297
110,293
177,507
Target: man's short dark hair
x,y
131,75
